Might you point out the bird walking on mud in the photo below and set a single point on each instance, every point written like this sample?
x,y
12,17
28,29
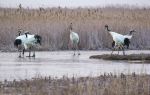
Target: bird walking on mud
x,y
74,38
27,41
119,40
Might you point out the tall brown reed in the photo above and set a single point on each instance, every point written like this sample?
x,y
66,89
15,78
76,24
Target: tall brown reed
x,y
101,85
52,23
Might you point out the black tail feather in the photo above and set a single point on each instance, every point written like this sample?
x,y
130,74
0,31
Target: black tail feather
x,y
17,42
126,42
113,44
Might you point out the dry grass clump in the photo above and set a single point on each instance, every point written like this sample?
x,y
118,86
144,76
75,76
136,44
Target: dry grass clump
x,y
122,57
101,85
52,24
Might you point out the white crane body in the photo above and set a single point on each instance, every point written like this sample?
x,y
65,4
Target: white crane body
x,y
74,37
119,40
27,41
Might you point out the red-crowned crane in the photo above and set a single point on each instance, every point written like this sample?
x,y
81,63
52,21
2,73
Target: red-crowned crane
x,y
74,38
119,40
27,41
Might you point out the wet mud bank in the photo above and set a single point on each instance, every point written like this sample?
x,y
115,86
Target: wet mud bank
x,y
141,57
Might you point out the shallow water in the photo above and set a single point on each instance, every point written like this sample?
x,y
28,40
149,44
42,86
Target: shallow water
x,y
57,64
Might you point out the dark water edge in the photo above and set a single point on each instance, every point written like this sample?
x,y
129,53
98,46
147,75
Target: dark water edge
x,y
142,57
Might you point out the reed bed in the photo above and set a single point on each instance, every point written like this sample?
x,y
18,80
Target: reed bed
x,y
107,84
52,24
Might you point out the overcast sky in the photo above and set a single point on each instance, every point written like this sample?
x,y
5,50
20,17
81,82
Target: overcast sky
x,y
71,3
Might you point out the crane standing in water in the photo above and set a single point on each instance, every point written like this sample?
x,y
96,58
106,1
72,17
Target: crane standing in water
x,y
119,40
27,41
74,38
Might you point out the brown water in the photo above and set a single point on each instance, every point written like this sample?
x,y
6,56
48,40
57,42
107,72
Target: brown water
x,y
59,63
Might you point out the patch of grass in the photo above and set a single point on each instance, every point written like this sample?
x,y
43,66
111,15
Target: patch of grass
x,y
122,57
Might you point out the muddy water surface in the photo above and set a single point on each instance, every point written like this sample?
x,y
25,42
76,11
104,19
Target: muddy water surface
x,y
59,63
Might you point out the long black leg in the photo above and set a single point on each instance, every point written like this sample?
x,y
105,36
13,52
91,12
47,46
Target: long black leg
x,y
32,49
112,51
113,47
29,52
74,48
77,49
118,49
23,52
19,53
19,50
33,53
123,50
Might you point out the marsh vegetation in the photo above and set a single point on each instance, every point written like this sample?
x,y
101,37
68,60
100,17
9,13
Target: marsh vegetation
x,y
106,84
52,24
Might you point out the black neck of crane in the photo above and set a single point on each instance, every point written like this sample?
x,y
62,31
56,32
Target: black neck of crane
x,y
108,29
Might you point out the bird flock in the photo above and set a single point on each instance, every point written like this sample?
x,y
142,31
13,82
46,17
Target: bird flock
x,y
28,42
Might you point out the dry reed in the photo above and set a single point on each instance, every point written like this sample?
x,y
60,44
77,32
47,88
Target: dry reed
x,y
106,84
52,24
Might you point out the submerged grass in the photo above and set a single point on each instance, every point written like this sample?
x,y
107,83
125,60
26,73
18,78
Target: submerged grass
x,y
106,84
52,24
